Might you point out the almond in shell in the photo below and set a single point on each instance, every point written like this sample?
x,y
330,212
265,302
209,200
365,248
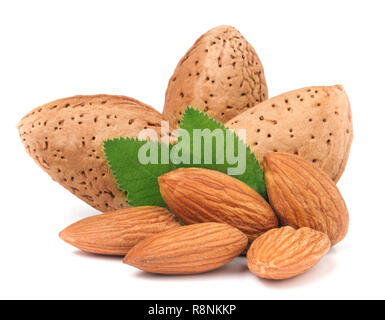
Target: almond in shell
x,y
220,75
314,123
65,138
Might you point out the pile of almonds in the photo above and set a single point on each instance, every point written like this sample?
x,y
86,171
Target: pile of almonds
x,y
225,218
220,75
301,138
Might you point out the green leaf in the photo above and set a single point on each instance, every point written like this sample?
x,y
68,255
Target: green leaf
x,y
194,119
138,180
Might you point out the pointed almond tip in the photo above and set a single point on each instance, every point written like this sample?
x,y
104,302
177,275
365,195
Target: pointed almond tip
x,y
169,176
272,158
62,235
267,156
222,28
127,259
162,178
19,125
66,236
339,87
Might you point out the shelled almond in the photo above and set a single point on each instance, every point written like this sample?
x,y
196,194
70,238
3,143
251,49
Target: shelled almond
x,y
302,195
198,195
116,232
286,252
188,249
301,139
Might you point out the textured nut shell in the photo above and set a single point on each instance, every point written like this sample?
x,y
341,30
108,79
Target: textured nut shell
x,y
199,195
313,122
65,138
220,75
116,232
286,252
303,195
188,249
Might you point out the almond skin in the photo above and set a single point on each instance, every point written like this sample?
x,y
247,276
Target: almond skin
x,y
314,123
220,75
198,195
302,195
286,252
65,138
188,249
115,233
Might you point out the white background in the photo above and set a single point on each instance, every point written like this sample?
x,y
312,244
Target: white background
x,y
52,49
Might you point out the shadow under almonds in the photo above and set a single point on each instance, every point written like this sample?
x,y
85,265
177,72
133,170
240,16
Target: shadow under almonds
x,y
236,267
88,255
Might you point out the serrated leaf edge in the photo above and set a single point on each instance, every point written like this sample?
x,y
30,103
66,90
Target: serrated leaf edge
x,y
222,126
187,110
